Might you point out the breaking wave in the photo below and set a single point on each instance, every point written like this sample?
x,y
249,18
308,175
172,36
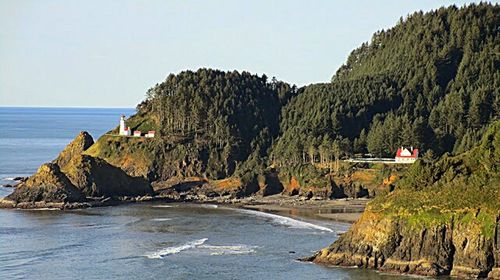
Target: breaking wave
x,y
209,206
215,250
285,220
163,206
176,249
161,219
202,248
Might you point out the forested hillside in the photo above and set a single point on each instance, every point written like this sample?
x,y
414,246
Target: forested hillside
x,y
432,82
209,123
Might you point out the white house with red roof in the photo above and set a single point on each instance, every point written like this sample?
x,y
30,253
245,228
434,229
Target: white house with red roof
x,y
405,155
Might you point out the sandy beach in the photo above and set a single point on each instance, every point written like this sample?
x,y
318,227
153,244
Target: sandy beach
x,y
341,210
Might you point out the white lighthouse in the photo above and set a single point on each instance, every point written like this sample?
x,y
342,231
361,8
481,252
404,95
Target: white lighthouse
x,y
124,130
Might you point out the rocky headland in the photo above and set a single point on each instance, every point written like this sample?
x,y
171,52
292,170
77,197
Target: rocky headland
x,y
442,219
75,180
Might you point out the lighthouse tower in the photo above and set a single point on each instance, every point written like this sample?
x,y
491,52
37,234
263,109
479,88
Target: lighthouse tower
x,y
124,130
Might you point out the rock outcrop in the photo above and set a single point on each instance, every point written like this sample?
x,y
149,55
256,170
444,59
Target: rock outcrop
x,y
81,143
455,248
74,177
48,187
95,177
442,219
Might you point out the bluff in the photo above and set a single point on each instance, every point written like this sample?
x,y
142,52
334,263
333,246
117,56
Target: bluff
x,y
73,179
443,218
47,188
214,133
210,125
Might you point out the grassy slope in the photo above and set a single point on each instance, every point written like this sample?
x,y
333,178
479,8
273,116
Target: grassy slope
x,y
442,219
464,188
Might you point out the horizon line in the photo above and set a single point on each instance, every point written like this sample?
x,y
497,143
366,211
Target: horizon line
x,y
64,107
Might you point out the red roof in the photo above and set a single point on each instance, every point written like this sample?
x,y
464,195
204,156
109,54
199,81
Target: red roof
x,y
413,155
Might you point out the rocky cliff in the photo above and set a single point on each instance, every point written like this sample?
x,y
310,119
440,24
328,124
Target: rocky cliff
x,y
459,246
81,143
95,177
74,177
442,219
48,187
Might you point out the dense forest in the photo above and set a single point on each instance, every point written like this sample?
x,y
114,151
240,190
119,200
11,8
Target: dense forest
x,y
432,82
220,118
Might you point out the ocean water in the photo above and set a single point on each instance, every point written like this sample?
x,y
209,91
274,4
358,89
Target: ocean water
x,y
147,240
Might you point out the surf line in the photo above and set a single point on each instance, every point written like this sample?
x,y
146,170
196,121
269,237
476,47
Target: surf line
x,y
282,220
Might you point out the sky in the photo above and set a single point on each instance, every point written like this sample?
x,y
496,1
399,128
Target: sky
x,y
89,53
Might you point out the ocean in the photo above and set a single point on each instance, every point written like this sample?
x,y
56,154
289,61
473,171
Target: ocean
x,y
143,240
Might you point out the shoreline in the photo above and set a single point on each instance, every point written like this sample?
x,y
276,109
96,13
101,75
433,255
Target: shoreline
x,y
338,210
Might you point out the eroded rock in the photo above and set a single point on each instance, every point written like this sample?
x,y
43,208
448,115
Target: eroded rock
x,y
47,185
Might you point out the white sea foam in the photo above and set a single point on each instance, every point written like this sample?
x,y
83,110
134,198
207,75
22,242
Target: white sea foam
x,y
216,250
209,206
163,206
176,249
8,179
42,209
161,219
285,220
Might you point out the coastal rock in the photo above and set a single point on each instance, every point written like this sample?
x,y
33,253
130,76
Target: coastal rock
x,y
20,178
392,245
47,185
73,179
270,184
249,186
81,143
95,177
292,187
442,219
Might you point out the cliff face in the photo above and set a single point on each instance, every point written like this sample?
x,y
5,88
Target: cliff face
x,y
456,247
136,156
82,142
72,178
178,163
442,219
95,177
48,186
353,180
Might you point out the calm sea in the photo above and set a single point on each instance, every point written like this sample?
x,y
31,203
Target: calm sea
x,y
142,241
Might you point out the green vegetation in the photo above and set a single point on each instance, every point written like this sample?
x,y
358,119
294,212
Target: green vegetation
x,y
134,155
432,82
463,187
209,123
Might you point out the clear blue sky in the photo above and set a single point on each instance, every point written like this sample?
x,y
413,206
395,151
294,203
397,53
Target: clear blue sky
x,y
108,53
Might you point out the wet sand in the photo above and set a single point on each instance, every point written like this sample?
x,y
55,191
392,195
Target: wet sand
x,y
341,210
